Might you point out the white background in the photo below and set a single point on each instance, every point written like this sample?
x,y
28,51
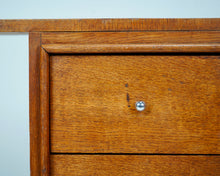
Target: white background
x,y
14,108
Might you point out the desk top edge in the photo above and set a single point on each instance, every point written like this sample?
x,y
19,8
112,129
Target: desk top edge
x,y
110,25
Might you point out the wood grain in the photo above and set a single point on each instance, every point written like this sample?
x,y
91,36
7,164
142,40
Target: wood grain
x,y
44,112
132,48
165,37
135,165
131,42
86,103
40,25
92,104
34,102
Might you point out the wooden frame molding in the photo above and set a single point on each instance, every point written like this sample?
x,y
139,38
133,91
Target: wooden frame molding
x,y
44,112
34,103
132,48
139,42
39,107
211,24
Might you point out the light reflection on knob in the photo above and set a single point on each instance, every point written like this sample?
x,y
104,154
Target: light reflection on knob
x,y
140,105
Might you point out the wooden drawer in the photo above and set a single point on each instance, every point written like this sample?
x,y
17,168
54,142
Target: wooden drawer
x,y
92,104
134,165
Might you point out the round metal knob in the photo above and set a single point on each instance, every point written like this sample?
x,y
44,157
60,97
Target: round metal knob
x,y
140,105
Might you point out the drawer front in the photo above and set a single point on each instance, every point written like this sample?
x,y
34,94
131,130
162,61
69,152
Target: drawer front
x,y
134,165
92,104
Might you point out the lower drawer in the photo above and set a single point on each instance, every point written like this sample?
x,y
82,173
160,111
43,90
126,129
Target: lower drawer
x,y
67,165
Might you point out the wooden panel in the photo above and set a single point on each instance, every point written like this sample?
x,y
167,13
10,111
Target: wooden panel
x,y
108,25
199,37
135,165
34,102
92,104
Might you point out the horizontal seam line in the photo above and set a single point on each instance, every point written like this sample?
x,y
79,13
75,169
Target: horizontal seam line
x,y
178,154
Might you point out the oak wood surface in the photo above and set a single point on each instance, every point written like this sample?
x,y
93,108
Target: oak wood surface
x,y
34,103
165,37
131,42
40,25
44,112
132,48
92,104
134,165
92,96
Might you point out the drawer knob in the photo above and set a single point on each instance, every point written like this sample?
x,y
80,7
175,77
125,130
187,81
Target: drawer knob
x,y
140,105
